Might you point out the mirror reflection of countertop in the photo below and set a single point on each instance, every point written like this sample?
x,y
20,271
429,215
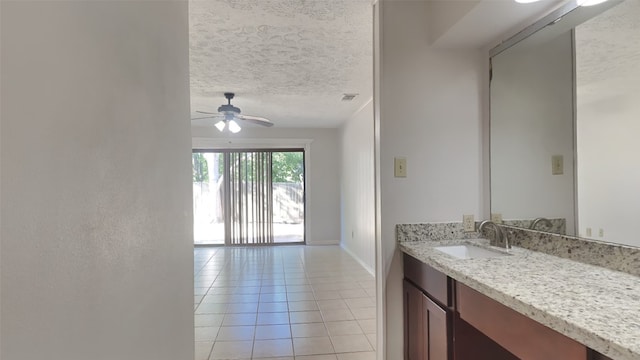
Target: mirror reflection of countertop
x,y
595,306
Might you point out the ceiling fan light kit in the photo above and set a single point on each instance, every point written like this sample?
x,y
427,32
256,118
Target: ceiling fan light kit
x,y
228,114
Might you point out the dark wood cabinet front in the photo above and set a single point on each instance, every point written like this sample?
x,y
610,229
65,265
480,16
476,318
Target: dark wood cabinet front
x,y
436,323
426,326
413,324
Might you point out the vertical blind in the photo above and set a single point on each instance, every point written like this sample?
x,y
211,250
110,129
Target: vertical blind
x,y
249,197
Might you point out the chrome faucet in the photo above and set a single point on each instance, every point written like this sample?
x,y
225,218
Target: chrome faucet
x,y
545,221
500,238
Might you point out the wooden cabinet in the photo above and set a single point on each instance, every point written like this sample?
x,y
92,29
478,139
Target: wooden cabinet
x,y
447,320
426,326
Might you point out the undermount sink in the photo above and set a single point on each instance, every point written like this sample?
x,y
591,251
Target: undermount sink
x,y
469,252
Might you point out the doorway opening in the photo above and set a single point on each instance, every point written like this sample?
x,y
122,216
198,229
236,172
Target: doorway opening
x,y
249,197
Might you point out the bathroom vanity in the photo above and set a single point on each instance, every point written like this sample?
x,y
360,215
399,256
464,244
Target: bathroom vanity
x,y
525,305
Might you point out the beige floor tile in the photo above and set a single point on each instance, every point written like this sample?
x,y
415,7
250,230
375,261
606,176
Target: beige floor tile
x,y
236,333
368,355
278,318
231,350
239,319
354,293
211,308
327,294
308,330
350,343
208,320
272,348
206,333
273,307
278,299
364,313
269,332
337,315
240,308
350,327
312,346
307,305
368,326
332,304
317,357
361,302
302,317
372,340
203,349
300,296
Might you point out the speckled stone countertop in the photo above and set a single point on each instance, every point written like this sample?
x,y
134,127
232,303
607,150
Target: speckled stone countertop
x,y
595,306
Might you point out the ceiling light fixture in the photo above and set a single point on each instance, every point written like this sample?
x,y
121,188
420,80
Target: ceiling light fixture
x,y
233,126
526,1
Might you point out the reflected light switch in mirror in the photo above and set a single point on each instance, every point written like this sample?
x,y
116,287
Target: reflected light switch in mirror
x,y
557,167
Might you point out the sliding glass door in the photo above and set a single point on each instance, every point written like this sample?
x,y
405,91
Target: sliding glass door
x,y
248,197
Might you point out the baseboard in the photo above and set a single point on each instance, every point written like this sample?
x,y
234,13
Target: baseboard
x,y
324,242
358,260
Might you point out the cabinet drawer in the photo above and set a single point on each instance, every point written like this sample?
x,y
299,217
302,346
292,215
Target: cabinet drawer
x,y
436,284
522,336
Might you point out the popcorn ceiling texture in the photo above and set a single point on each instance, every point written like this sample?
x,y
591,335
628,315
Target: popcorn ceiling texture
x,y
282,57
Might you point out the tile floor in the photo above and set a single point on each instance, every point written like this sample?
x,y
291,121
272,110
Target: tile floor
x,y
284,303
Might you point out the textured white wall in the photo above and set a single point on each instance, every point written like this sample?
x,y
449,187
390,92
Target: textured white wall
x,y
431,113
323,174
357,187
97,259
532,120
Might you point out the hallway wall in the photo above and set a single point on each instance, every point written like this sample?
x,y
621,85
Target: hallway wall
x,y
357,201
431,112
97,259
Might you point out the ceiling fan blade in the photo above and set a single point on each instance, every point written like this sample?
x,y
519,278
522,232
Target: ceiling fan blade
x,y
208,113
217,116
254,120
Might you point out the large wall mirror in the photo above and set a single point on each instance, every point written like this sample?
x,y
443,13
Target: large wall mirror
x,y
565,124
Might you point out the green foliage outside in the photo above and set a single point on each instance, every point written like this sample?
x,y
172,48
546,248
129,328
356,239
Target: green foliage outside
x,y
286,167
200,168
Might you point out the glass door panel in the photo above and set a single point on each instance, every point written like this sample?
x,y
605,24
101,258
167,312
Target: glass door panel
x,y
208,198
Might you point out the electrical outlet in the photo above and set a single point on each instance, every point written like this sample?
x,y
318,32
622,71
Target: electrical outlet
x,y
588,231
601,232
496,218
468,223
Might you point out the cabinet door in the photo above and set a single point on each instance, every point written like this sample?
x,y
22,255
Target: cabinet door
x,y
436,325
414,339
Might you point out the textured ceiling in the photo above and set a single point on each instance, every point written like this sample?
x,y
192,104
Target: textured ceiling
x,y
608,53
287,60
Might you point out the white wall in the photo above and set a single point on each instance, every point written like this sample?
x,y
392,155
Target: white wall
x,y
357,187
431,113
97,260
323,174
531,121
607,141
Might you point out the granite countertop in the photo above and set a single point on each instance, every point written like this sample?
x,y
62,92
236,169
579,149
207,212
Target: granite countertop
x,y
595,306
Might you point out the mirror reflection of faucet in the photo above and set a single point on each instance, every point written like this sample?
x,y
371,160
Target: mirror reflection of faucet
x,y
500,238
546,222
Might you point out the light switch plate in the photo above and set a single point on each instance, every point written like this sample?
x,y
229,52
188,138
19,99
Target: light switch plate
x,y
468,223
400,167
588,231
557,165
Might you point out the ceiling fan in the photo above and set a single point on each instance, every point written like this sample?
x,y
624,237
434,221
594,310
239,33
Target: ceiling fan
x,y
228,114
